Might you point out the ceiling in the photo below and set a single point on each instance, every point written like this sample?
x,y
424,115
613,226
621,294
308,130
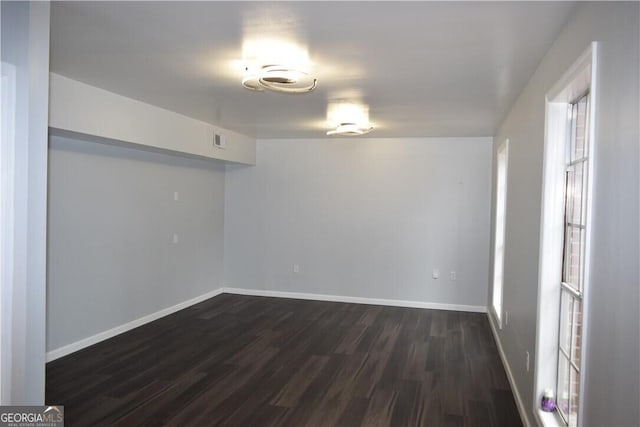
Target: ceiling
x,y
423,68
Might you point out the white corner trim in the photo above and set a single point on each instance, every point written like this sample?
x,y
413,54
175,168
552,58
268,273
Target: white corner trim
x,y
356,300
94,339
512,381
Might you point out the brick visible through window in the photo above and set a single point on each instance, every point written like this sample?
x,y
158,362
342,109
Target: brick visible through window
x,y
572,281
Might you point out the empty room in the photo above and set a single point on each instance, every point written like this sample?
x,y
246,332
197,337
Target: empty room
x,y
367,213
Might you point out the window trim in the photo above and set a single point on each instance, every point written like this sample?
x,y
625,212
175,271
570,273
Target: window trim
x,y
581,76
573,291
503,150
7,198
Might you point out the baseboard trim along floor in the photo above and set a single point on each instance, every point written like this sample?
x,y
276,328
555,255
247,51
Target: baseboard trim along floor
x,y
357,300
94,339
512,382
101,336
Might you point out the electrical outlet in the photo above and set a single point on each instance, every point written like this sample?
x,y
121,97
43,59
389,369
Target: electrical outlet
x,y
175,237
452,276
296,268
527,360
176,196
435,274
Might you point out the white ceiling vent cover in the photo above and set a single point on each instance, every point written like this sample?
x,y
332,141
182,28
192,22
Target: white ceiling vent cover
x,y
219,141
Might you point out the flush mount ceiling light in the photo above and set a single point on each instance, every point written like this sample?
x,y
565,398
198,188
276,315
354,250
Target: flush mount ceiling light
x,y
279,78
350,129
274,59
349,118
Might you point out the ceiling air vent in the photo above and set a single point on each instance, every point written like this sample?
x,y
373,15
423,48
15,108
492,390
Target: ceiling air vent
x,y
219,141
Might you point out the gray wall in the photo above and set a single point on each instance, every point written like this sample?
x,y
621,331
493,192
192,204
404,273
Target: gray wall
x,y
362,218
112,217
25,45
612,375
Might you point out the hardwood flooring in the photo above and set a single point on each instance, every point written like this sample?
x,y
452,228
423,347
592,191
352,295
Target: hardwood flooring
x,y
256,361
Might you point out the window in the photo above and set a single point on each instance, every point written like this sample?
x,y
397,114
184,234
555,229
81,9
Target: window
x,y
565,229
571,287
500,224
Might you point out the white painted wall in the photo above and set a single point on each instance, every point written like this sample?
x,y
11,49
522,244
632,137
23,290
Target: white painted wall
x,y
362,218
83,109
612,375
112,217
25,45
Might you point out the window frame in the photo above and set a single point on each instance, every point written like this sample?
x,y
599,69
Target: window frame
x,y
579,78
573,291
500,221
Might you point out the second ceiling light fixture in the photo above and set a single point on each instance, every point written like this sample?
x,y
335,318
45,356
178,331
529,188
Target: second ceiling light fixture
x,y
287,71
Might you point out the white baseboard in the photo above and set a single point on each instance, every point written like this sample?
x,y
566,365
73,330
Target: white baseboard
x,y
512,382
356,300
94,339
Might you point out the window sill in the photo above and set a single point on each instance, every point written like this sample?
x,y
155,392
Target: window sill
x,y
549,419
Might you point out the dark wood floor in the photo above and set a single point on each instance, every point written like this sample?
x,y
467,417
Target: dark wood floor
x,y
256,361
